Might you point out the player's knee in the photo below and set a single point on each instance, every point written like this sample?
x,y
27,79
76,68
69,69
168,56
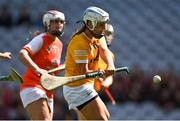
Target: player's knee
x,y
104,116
46,117
108,115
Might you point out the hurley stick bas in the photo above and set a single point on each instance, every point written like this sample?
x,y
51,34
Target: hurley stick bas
x,y
13,76
50,82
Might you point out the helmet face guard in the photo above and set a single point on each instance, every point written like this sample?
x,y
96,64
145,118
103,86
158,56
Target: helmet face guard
x,y
98,36
95,15
50,16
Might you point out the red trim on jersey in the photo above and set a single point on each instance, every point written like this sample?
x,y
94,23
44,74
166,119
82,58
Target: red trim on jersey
x,y
28,50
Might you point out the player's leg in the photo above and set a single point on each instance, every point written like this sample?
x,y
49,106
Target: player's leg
x,y
80,115
95,110
37,104
86,100
39,110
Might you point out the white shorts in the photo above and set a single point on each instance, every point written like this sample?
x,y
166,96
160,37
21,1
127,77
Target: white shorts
x,y
76,96
31,94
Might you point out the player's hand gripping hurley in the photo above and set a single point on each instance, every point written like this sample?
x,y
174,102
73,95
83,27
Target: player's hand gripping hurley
x,y
50,82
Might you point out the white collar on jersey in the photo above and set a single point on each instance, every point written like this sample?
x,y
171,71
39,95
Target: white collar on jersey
x,y
84,34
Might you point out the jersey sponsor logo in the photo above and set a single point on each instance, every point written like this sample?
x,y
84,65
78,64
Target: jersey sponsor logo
x,y
54,49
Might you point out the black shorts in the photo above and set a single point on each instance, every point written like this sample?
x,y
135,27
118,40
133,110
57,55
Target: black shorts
x,y
84,104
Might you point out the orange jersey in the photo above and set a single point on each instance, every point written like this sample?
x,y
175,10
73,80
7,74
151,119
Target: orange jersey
x,y
81,50
46,53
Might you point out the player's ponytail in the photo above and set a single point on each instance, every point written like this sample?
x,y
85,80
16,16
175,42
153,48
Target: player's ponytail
x,y
79,31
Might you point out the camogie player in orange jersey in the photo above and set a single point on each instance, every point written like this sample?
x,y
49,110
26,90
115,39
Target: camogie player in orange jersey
x,y
42,53
82,57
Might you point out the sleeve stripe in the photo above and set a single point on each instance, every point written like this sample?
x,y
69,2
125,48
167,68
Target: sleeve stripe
x,y
77,55
80,53
81,61
28,50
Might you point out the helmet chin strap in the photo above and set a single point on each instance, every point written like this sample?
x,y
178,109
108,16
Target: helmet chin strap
x,y
56,33
97,36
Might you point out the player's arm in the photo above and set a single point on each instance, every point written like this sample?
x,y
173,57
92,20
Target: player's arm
x,y
107,82
106,54
27,51
28,62
83,68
